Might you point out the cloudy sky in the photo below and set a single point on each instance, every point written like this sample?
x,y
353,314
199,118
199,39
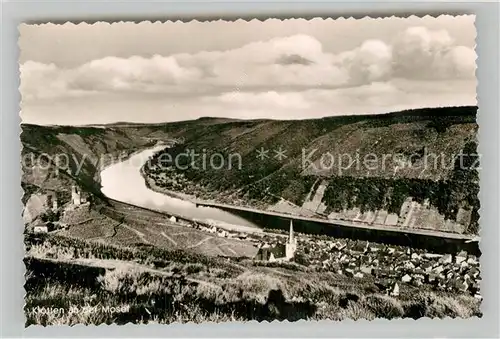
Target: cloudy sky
x,y
291,69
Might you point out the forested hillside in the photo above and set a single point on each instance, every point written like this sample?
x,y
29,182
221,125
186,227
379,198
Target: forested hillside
x,y
426,154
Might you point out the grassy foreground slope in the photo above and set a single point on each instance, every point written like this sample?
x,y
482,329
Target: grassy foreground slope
x,y
147,284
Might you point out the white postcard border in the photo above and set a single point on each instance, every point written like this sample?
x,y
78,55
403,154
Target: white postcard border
x,y
12,322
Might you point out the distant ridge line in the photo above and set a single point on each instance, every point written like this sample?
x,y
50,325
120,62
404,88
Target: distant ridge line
x,y
421,112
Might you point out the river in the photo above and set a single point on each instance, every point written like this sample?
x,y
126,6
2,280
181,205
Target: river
x,y
123,181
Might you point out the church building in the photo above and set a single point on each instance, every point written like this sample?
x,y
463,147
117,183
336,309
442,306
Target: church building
x,y
291,245
279,252
75,196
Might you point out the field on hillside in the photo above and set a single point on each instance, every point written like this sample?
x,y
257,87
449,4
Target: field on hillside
x,y
118,284
123,224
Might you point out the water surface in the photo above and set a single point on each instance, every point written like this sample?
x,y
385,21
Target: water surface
x,y
123,182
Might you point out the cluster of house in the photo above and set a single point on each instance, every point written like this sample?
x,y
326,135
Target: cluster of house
x,y
77,197
272,251
393,265
52,202
212,229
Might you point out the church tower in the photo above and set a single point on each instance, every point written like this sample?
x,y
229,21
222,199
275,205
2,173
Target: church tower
x,y
75,195
291,245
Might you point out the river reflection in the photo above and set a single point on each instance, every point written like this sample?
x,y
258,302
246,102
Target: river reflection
x,y
123,182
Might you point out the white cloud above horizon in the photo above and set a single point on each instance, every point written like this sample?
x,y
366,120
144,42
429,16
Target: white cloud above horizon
x,y
283,77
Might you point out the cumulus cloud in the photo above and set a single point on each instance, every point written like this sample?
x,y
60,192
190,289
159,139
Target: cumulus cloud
x,y
293,59
421,53
279,64
40,80
372,61
376,97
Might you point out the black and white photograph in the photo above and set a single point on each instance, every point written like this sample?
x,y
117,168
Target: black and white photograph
x,y
229,171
